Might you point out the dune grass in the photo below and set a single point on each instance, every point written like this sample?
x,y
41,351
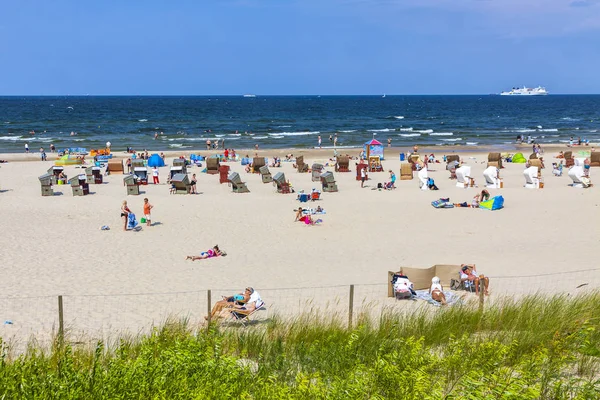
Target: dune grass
x,y
535,348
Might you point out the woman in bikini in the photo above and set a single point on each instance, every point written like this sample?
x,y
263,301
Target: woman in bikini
x,y
210,253
125,214
437,291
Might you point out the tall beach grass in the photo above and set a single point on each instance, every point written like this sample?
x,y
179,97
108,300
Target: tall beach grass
x,y
534,348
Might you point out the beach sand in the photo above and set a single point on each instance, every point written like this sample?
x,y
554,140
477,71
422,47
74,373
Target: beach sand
x,y
115,279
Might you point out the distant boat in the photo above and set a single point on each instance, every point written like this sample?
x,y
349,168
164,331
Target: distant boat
x,y
383,95
249,95
525,91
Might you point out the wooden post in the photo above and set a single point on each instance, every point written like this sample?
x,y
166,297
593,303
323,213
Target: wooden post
x,y
61,322
481,292
209,305
350,306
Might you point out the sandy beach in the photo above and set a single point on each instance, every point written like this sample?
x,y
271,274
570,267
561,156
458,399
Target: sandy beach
x,y
54,245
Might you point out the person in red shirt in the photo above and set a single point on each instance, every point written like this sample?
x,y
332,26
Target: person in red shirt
x,y
226,154
147,208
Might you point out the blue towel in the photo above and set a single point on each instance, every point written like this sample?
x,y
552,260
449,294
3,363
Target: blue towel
x,y
131,221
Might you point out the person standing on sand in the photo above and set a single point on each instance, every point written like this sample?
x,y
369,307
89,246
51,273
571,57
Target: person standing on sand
x,y
330,138
26,148
207,144
147,215
389,142
125,214
108,144
363,176
335,140
155,175
319,140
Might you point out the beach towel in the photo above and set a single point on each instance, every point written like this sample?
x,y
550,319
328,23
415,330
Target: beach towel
x,y
451,298
442,203
313,211
131,221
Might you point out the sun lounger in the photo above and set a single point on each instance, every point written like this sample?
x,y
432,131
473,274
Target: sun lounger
x,y
115,167
257,163
317,169
279,180
463,176
342,164
577,175
142,174
491,177
531,178
569,160
328,182
212,165
133,188
243,316
46,182
536,162
595,159
406,172
301,165
265,174
495,160
237,184
181,182
79,185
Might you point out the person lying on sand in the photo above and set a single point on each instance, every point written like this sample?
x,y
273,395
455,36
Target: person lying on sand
x,y
436,290
230,302
469,273
210,253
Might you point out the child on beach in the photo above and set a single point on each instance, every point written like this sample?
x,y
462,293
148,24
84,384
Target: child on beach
x,y
147,208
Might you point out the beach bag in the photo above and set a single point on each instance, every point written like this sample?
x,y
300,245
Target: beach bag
x,y
379,185
143,220
455,284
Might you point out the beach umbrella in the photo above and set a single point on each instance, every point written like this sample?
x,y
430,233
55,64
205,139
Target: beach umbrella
x,y
495,203
155,161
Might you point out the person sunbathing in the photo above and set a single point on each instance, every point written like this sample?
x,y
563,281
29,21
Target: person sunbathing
x,y
436,290
210,253
560,155
306,218
231,301
469,273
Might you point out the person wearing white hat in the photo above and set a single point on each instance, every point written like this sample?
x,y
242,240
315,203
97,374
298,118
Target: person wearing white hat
x,y
437,291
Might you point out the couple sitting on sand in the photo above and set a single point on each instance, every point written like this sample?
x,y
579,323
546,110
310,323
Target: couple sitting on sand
x,y
241,304
210,253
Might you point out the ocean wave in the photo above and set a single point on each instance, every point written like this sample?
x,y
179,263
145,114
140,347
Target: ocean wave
x,y
425,131
283,126
570,119
399,116
349,131
7,122
142,120
409,134
406,129
441,134
381,130
549,130
451,140
234,134
219,135
179,146
524,130
296,133
14,138
260,137
472,143
277,137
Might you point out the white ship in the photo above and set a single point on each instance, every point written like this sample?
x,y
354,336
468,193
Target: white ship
x,y
249,95
525,91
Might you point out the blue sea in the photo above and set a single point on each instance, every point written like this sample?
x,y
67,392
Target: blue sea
x,y
292,121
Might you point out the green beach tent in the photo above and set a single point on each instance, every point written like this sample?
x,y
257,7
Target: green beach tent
x,y
519,158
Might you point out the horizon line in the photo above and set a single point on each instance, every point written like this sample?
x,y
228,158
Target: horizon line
x,y
283,95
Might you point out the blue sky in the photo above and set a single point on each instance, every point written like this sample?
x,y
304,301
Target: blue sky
x,y
298,46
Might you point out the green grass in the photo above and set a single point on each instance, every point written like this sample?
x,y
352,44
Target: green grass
x,y
534,348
